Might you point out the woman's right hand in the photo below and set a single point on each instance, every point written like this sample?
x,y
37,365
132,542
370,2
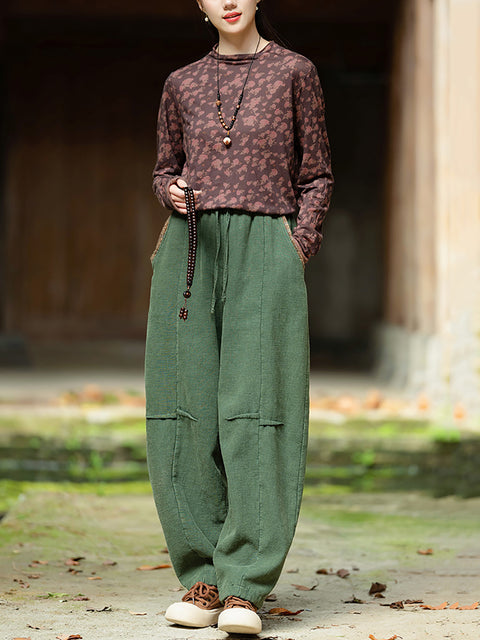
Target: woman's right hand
x,y
178,195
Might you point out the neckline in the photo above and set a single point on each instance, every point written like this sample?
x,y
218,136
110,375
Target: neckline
x,y
238,57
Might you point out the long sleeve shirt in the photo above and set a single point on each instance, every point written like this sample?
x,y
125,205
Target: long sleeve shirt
x,y
279,161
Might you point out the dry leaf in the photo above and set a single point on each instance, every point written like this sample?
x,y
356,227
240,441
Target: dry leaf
x,y
459,411
470,606
376,587
301,587
453,606
425,552
34,563
413,601
441,606
23,584
280,611
138,613
94,578
109,563
423,402
33,576
372,637
373,399
149,567
22,638
73,636
342,573
271,597
354,600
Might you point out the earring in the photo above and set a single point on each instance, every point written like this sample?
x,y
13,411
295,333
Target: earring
x,y
256,8
206,18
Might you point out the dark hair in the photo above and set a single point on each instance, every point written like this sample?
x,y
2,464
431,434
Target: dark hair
x,y
264,27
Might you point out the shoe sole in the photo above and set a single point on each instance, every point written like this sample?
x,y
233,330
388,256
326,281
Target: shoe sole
x,y
187,614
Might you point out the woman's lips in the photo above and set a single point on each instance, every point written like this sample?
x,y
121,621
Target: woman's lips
x,y
232,18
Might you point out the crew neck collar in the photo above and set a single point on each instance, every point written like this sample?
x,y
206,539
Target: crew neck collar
x,y
238,57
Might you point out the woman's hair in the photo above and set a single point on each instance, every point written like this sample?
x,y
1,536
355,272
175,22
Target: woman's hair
x,y
264,27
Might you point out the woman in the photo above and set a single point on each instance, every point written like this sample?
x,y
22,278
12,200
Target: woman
x,y
227,391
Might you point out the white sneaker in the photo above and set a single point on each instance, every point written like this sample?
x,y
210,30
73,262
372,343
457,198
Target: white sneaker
x,y
239,616
199,607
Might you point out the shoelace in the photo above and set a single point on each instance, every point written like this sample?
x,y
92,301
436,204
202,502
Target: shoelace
x,y
206,594
234,601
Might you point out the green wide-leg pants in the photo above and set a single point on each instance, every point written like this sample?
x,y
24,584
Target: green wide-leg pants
x,y
227,398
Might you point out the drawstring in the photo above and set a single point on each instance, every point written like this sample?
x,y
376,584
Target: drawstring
x,y
215,266
225,261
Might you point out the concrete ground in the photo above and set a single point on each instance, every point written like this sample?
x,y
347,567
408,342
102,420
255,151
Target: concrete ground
x,y
425,551
102,593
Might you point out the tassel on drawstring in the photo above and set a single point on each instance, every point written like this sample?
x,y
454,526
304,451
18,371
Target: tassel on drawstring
x,y
192,246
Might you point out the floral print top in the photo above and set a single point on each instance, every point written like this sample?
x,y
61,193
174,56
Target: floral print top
x,y
279,160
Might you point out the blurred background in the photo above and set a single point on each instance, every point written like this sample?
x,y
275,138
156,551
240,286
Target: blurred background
x,y
394,292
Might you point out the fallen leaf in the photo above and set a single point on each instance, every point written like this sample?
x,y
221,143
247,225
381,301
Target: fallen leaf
x,y
149,567
342,573
33,576
138,613
94,578
429,606
271,597
81,598
425,552
71,562
292,570
412,601
72,636
378,595
322,571
109,563
453,606
280,611
107,607
470,606
23,584
376,587
34,563
22,638
301,587
354,600
372,637
459,411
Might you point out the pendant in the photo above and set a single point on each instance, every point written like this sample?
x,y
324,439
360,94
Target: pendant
x,y
227,141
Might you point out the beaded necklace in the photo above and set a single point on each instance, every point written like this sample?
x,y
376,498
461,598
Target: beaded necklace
x,y
227,141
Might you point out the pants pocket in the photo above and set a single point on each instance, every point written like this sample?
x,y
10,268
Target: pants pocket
x,y
291,240
160,238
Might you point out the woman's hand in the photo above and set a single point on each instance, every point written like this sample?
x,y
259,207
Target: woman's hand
x,y
178,195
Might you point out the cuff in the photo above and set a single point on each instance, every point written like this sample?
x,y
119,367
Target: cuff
x,y
301,251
